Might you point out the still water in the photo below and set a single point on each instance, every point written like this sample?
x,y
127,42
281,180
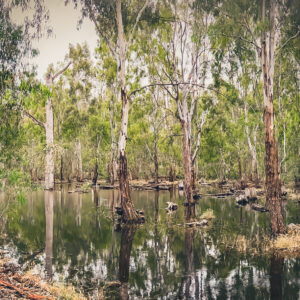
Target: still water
x,y
74,238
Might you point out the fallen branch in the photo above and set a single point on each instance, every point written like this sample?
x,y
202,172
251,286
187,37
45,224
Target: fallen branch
x,y
23,292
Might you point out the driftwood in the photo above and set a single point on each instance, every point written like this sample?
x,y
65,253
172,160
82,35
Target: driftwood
x,y
181,186
218,195
259,207
152,186
107,187
119,211
171,206
251,194
14,285
204,222
241,200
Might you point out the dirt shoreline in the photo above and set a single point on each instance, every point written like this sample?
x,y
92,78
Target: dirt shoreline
x,y
17,284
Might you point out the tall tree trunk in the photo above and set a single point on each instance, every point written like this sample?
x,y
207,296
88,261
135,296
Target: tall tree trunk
x,y
112,142
242,183
273,184
79,161
61,175
187,163
49,129
49,197
126,203
155,161
95,175
252,147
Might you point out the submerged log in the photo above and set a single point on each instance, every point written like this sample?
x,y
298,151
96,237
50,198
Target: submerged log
x,y
218,195
241,200
107,186
152,186
204,222
171,206
259,207
181,186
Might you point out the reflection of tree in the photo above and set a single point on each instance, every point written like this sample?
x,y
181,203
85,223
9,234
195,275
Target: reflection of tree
x,y
276,269
128,232
189,256
95,197
78,209
156,209
190,213
49,197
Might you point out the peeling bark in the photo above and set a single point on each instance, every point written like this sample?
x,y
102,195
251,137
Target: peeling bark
x,y
126,202
187,163
273,183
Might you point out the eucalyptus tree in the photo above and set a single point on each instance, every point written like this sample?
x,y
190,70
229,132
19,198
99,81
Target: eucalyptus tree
x,y
80,86
181,58
266,28
15,46
48,125
116,23
107,75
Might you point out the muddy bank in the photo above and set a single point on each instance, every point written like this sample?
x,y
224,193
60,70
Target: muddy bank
x,y
17,284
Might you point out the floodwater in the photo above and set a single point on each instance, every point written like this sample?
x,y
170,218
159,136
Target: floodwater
x,y
75,238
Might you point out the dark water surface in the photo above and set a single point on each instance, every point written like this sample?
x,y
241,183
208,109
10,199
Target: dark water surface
x,y
75,241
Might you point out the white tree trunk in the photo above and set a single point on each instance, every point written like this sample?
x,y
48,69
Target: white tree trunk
x,y
252,147
79,160
126,203
49,163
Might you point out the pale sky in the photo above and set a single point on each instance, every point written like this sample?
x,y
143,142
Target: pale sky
x,y
63,20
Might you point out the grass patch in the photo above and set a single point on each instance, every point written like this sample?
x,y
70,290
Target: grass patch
x,y
208,214
288,242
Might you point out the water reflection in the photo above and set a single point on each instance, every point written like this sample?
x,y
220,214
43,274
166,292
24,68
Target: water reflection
x,y
128,232
185,291
49,198
276,269
161,258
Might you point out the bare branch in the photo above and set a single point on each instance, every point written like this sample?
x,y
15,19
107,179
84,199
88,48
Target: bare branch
x,y
35,120
61,71
98,29
241,38
202,122
166,84
251,33
288,40
138,17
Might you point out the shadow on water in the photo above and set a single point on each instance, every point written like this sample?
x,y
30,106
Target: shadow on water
x,y
161,258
